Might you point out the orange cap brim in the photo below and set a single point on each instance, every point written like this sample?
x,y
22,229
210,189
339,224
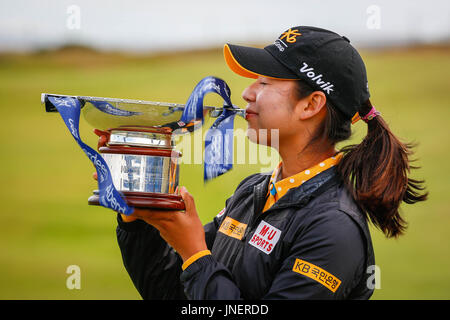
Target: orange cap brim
x,y
237,68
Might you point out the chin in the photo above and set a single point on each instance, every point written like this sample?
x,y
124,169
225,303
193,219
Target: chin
x,y
251,136
259,136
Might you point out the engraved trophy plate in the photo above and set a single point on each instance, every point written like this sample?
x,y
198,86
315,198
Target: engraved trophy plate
x,y
140,173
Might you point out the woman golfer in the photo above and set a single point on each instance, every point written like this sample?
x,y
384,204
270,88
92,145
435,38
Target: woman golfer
x,y
299,232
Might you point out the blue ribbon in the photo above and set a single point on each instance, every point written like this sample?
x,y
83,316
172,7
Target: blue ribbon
x,y
69,109
219,138
193,109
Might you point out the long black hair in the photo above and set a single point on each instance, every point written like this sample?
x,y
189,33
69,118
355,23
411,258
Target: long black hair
x,y
376,171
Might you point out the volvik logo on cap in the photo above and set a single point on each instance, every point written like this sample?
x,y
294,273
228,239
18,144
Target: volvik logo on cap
x,y
309,71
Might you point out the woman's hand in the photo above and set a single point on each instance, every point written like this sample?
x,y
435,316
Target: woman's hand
x,y
182,230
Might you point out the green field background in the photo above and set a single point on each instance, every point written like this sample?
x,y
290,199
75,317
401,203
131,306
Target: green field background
x,y
47,224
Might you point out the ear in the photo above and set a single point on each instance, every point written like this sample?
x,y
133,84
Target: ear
x,y
312,105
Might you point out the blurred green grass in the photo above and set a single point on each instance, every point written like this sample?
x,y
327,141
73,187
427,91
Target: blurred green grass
x,y
46,180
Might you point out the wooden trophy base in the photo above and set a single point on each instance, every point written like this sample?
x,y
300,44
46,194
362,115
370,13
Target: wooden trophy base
x,y
158,201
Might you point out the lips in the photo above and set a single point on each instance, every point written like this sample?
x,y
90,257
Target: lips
x,y
250,114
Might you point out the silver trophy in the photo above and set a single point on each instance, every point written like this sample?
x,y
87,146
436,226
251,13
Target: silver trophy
x,y
136,141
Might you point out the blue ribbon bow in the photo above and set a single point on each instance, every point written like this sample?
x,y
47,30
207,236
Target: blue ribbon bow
x,y
219,138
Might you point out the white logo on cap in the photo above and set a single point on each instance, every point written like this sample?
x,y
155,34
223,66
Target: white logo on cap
x,y
278,43
328,87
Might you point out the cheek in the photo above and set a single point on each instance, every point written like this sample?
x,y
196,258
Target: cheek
x,y
269,122
275,118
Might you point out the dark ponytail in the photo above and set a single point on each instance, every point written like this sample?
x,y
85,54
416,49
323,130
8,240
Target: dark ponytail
x,y
376,170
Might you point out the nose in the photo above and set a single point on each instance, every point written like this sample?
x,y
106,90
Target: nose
x,y
249,94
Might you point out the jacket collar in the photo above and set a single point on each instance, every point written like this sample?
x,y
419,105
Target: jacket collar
x,y
299,196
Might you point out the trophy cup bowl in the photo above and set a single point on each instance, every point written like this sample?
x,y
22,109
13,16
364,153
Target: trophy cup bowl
x,y
136,141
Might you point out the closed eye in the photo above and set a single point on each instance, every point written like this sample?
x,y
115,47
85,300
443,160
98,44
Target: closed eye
x,y
263,81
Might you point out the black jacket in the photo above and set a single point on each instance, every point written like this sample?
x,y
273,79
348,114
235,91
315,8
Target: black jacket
x,y
313,243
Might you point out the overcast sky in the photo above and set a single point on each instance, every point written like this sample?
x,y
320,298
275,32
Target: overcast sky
x,y
137,25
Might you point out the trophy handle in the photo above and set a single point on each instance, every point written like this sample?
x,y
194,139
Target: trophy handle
x,y
103,137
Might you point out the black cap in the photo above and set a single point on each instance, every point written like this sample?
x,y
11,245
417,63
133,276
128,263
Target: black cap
x,y
322,58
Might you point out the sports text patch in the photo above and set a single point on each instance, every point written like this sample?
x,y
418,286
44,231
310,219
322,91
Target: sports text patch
x,y
265,237
233,228
314,272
